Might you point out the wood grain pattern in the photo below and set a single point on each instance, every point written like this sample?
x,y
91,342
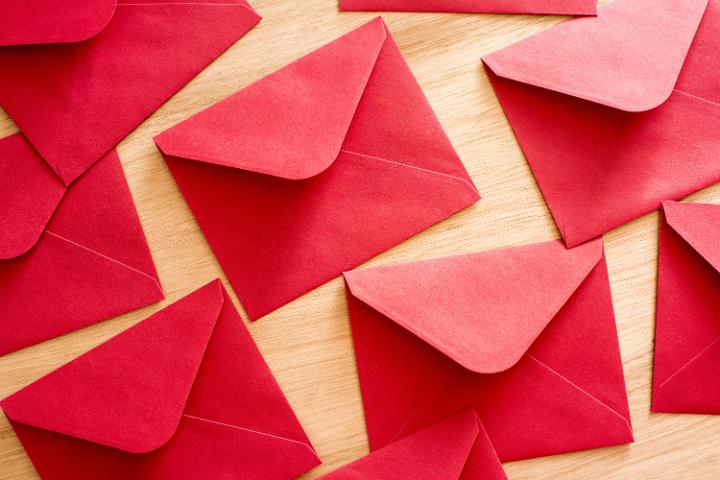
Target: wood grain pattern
x,y
307,343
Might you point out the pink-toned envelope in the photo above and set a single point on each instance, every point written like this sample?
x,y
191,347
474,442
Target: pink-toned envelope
x,y
75,101
316,168
525,335
52,21
618,112
687,332
456,448
184,394
560,7
90,261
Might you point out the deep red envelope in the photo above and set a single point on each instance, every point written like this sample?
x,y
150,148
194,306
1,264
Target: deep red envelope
x,y
687,332
560,7
316,168
76,101
438,452
52,21
91,261
184,394
524,335
617,113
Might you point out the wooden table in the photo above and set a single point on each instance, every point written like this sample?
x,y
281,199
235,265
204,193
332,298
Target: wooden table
x,y
307,343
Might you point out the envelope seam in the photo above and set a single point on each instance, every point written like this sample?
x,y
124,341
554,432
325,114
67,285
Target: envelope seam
x,y
625,420
235,427
104,256
696,97
695,357
381,159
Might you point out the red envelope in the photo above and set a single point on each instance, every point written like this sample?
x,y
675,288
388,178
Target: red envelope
x,y
75,101
618,113
184,394
53,21
439,452
91,261
560,7
524,335
316,168
687,330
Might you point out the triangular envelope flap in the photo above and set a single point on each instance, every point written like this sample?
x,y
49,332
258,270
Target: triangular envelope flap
x,y
438,452
290,124
30,194
76,101
628,57
52,21
699,225
128,393
482,310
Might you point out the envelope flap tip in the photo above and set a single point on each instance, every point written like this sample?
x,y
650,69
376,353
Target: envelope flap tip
x,y
698,224
129,392
291,123
482,310
25,22
628,57
31,192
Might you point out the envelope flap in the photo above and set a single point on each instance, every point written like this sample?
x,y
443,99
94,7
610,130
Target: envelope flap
x,y
482,310
26,22
30,194
438,452
128,393
628,57
290,124
699,225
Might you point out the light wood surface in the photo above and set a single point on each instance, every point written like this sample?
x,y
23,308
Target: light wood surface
x,y
307,343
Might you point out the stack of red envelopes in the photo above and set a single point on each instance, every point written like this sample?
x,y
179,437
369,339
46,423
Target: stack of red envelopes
x,y
77,78
464,362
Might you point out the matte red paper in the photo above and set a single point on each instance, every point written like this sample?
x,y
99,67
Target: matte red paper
x,y
525,335
90,261
687,331
30,194
439,452
184,394
618,113
76,101
560,7
316,168
52,21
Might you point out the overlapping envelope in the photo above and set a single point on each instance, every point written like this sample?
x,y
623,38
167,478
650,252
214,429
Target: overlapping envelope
x,y
90,262
75,101
316,168
560,7
526,336
184,394
687,332
52,21
456,448
617,113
